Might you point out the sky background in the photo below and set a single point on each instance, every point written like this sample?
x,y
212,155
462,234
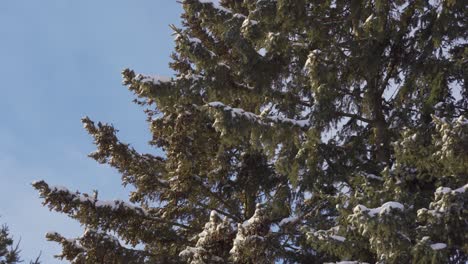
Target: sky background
x,y
61,60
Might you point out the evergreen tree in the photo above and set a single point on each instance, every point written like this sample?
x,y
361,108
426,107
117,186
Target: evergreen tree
x,y
9,252
320,131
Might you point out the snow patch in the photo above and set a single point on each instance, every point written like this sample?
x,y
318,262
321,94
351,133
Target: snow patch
x,y
238,112
445,190
291,219
59,188
194,40
52,233
307,195
154,79
311,57
346,262
215,4
338,238
373,176
262,52
369,18
238,15
461,189
438,246
384,209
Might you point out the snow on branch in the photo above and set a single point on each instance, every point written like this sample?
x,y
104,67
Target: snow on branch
x,y
372,176
346,262
216,4
289,220
250,242
438,246
150,88
382,210
49,191
330,234
434,246
153,79
216,233
445,190
262,120
444,199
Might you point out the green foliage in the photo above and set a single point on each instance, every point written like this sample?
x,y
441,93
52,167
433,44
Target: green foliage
x,y
317,130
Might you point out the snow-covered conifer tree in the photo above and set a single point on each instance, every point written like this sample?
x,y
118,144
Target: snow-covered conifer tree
x,y
319,131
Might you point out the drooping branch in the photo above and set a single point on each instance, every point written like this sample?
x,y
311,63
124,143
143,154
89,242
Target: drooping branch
x,y
144,171
90,211
97,247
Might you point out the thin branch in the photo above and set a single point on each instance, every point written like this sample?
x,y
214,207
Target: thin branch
x,y
204,206
355,116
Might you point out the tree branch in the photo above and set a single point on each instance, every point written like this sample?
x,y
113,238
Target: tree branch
x,y
355,116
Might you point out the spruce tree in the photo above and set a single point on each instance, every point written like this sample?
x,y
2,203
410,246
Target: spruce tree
x,y
9,251
294,131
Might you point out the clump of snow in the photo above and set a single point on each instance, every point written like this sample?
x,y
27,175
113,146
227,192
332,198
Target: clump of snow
x,y
248,22
338,238
346,262
328,234
215,4
238,112
372,176
291,219
461,189
439,105
315,52
216,104
438,246
461,121
238,15
262,52
191,251
444,190
224,65
215,232
384,209
154,79
369,19
249,232
300,123
52,233
115,204
194,40
311,58
239,240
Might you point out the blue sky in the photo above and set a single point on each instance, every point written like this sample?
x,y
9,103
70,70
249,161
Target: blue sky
x,y
60,60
